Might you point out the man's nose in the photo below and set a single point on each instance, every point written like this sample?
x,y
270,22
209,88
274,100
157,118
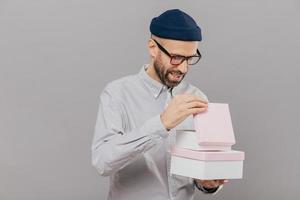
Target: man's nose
x,y
183,67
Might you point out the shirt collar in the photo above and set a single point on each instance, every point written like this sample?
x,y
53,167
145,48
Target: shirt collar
x,y
155,87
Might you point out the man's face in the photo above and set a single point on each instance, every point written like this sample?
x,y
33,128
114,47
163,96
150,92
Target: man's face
x,y
171,75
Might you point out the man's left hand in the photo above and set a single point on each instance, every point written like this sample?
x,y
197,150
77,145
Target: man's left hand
x,y
209,184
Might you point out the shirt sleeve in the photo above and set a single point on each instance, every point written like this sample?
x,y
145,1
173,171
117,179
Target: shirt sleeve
x,y
112,148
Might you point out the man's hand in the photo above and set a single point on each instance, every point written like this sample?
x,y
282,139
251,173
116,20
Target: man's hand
x,y
209,184
180,107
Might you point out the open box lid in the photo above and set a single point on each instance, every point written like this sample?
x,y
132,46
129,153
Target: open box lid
x,y
214,126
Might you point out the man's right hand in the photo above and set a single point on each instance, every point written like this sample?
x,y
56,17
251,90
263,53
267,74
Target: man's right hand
x,y
180,107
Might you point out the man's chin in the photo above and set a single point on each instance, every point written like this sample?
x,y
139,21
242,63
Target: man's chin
x,y
172,83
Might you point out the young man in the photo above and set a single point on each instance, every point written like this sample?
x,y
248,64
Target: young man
x,y
139,114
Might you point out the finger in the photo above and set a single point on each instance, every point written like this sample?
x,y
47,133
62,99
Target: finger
x,y
189,98
196,98
195,104
210,184
225,181
194,111
220,182
215,183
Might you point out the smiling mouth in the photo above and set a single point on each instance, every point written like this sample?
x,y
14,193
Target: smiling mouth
x,y
175,76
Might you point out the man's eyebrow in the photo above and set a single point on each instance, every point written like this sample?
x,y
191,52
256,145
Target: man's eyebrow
x,y
174,54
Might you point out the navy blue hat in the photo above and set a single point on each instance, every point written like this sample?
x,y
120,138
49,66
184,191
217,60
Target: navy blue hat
x,y
175,24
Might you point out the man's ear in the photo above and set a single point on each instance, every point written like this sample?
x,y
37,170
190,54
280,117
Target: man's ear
x,y
152,48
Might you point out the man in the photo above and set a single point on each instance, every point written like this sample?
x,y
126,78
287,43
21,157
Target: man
x,y
139,114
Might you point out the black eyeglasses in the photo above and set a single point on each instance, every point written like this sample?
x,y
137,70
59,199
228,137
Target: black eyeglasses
x,y
178,59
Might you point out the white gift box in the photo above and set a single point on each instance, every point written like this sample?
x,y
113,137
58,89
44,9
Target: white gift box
x,y
207,165
189,139
205,153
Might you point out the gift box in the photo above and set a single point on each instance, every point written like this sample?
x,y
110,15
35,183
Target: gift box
x,y
205,153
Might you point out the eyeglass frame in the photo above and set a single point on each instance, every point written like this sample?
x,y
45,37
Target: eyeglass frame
x,y
172,56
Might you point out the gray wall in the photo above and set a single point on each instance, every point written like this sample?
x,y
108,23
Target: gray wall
x,y
57,55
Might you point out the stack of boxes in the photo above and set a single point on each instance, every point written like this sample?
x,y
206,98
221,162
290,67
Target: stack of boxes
x,y
205,153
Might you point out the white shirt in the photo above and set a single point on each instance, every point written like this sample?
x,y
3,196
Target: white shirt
x,y
132,146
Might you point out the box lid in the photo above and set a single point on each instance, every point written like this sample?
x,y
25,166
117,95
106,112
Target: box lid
x,y
214,126
208,155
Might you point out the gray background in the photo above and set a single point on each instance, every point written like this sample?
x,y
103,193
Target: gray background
x,y
57,55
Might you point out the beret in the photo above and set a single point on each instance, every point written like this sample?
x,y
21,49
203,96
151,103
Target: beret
x,y
175,24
